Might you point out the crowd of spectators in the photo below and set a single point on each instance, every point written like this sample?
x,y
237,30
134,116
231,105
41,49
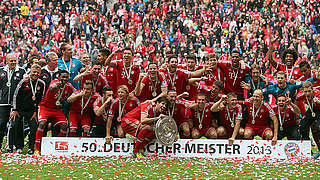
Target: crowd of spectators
x,y
157,28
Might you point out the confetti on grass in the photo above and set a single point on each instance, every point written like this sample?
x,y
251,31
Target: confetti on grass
x,y
15,166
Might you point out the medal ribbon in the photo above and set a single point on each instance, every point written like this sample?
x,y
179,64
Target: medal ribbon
x,y
83,107
255,114
171,112
289,77
174,78
229,117
34,90
200,118
310,106
281,120
154,86
60,94
121,109
65,65
125,70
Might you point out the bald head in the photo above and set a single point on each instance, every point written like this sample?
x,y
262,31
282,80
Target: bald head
x,y
257,96
11,60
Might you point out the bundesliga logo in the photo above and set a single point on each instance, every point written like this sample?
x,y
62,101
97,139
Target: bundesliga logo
x,y
291,149
61,146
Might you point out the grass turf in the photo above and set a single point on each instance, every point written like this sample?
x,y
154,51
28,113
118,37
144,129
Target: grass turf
x,y
13,166
16,166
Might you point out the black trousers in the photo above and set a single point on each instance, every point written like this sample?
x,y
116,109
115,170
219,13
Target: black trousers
x,y
4,119
17,131
98,130
313,122
291,132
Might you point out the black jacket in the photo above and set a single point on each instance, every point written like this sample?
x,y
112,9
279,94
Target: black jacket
x,y
22,99
6,93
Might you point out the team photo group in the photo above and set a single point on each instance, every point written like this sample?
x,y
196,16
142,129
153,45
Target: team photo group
x,y
204,69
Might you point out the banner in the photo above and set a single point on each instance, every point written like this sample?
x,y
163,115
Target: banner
x,y
202,148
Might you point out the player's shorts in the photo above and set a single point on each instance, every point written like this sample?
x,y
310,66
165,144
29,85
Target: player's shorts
x,y
204,130
75,119
130,125
55,115
258,130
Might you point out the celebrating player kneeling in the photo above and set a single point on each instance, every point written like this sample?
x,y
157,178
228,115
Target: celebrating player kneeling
x,y
204,124
230,115
259,111
82,100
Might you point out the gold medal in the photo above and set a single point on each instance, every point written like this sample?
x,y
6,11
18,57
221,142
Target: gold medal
x,y
154,94
232,125
313,114
33,98
130,81
200,126
57,103
281,128
8,84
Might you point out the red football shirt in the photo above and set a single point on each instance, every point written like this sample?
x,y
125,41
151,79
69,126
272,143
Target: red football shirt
x,y
97,104
261,116
148,87
234,114
287,116
51,97
176,80
204,115
144,108
292,73
303,103
110,72
123,74
207,90
83,104
127,106
233,77
215,75
99,83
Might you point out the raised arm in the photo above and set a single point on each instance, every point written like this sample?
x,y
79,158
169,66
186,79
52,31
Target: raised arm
x,y
270,52
215,106
110,57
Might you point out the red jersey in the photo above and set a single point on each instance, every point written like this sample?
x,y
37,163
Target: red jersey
x,y
292,73
119,108
124,74
261,113
287,117
233,77
51,97
178,111
215,75
303,103
154,86
227,119
144,108
207,90
98,84
315,84
190,88
176,79
83,104
203,117
97,104
110,72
